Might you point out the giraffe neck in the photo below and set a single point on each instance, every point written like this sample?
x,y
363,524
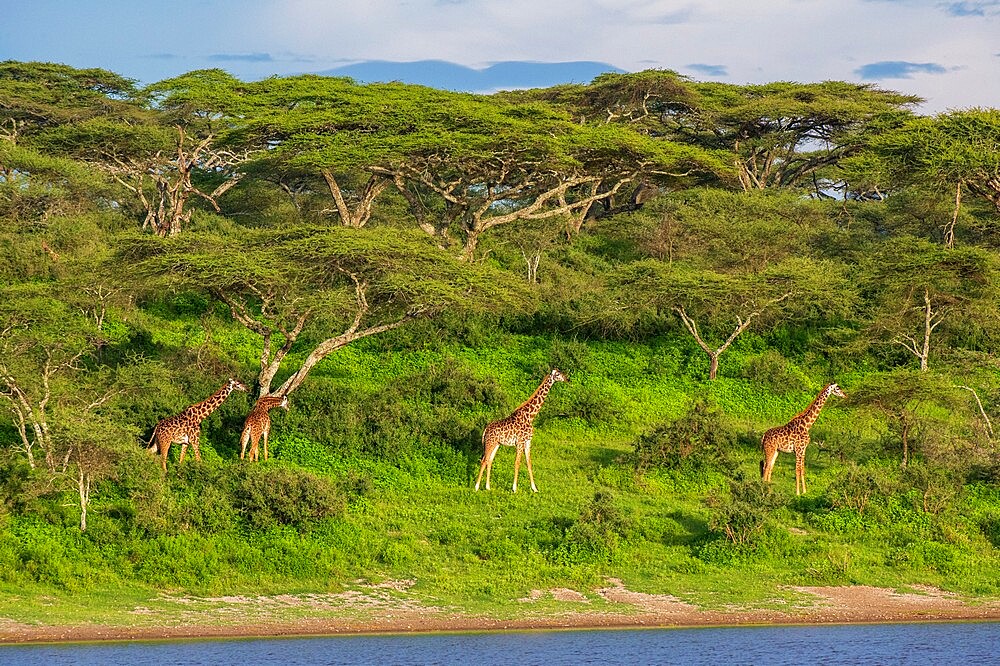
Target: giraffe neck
x,y
809,416
268,403
202,409
529,410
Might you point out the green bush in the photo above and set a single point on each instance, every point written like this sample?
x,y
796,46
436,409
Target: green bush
x,y
770,369
594,406
857,486
598,534
702,438
268,497
741,515
989,525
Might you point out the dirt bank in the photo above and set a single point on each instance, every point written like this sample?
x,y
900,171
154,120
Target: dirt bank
x,y
389,607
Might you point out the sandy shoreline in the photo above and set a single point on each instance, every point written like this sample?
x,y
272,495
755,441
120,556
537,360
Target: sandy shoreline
x,y
235,617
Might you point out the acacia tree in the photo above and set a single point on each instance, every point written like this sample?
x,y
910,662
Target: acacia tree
x,y
324,133
164,155
954,151
47,345
726,261
914,286
512,163
908,400
776,135
781,134
37,98
721,306
307,292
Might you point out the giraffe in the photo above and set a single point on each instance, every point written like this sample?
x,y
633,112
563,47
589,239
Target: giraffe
x,y
185,428
793,437
516,430
258,424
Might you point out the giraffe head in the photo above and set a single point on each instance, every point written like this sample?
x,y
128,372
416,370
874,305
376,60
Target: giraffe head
x,y
558,376
236,385
834,389
284,402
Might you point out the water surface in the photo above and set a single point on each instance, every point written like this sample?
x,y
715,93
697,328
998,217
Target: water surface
x,y
938,644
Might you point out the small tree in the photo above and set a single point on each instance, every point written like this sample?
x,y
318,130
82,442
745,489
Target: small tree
x,y
316,290
725,305
915,286
907,399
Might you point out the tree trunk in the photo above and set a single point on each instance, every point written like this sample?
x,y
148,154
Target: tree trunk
x,y
713,365
928,328
949,232
469,249
83,486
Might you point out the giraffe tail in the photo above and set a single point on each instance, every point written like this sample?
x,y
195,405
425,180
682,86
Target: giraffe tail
x,y
762,469
151,444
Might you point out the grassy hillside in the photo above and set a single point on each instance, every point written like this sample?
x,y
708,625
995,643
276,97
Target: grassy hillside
x,y
407,509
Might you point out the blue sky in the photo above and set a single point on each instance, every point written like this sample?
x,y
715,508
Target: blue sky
x,y
946,52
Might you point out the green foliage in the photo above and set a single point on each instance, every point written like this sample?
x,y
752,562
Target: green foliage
x,y
268,497
772,370
740,516
702,438
598,534
659,231
858,486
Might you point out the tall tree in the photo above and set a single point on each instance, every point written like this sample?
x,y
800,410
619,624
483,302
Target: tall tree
x,y
913,287
955,151
775,135
781,134
164,156
307,292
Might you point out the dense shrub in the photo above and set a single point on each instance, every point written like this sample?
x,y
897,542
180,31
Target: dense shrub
x,y
699,439
594,406
267,497
740,515
933,489
444,404
857,486
770,369
598,534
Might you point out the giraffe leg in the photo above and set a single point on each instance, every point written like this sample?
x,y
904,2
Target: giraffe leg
x,y
800,471
517,466
489,467
184,448
244,440
164,449
527,460
769,459
482,465
487,462
195,447
266,432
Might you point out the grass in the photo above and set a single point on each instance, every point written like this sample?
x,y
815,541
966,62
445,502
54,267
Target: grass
x,y
416,516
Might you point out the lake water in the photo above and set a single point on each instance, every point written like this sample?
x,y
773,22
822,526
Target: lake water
x,y
938,644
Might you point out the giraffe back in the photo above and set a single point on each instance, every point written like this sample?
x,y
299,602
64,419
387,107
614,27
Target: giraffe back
x,y
259,418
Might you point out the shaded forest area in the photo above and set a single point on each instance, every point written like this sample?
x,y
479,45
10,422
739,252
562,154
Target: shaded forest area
x,y
406,264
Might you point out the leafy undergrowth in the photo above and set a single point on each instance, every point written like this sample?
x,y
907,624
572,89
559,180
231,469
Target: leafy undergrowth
x,y
619,497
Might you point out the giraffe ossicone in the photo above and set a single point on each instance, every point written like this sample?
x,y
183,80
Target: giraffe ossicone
x,y
793,437
258,425
516,430
185,428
